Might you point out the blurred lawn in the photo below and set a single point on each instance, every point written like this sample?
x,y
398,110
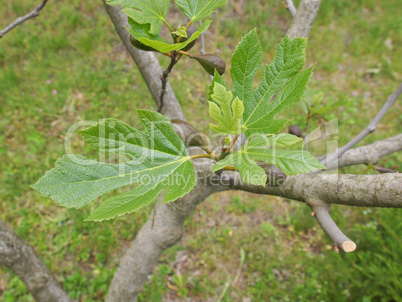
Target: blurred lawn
x,y
68,65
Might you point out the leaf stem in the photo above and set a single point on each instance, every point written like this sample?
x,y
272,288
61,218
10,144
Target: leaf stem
x,y
212,153
189,24
230,168
185,53
168,26
200,156
232,143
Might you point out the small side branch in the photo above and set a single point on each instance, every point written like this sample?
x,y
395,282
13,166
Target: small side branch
x,y
369,154
291,7
21,20
369,129
321,213
164,79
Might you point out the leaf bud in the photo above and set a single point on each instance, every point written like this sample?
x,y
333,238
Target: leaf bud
x,y
295,130
211,62
189,135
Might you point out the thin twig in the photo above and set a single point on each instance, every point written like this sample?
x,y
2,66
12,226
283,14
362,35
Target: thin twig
x,y
384,170
369,129
291,7
164,78
21,20
368,154
232,143
321,213
307,133
202,41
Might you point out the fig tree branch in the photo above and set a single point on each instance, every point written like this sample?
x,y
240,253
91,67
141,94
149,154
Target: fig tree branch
x,y
369,129
291,7
164,79
381,190
164,228
22,19
369,154
304,18
21,259
321,213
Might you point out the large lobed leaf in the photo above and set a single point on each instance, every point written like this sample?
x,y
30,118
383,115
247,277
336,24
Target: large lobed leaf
x,y
282,78
158,161
197,10
290,162
151,12
227,114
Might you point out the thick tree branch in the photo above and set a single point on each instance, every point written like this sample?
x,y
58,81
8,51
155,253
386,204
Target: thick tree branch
x,y
369,129
384,191
21,20
21,259
147,64
369,154
303,21
319,191
164,228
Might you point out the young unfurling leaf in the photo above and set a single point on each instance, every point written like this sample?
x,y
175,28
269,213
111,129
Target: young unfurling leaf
x,y
290,162
281,78
227,114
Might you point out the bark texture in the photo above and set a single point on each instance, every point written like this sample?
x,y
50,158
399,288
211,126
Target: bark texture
x,y
369,154
303,21
21,20
21,259
164,228
383,190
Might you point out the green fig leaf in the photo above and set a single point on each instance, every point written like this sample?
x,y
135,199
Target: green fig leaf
x,y
158,162
283,81
197,10
151,12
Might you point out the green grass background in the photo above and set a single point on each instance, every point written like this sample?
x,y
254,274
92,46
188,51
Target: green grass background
x,y
68,65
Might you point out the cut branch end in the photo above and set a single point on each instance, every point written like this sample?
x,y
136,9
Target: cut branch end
x,y
348,246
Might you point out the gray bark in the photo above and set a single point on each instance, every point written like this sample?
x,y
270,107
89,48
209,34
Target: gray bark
x,y
369,154
303,21
383,190
369,129
291,7
21,259
164,228
22,19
